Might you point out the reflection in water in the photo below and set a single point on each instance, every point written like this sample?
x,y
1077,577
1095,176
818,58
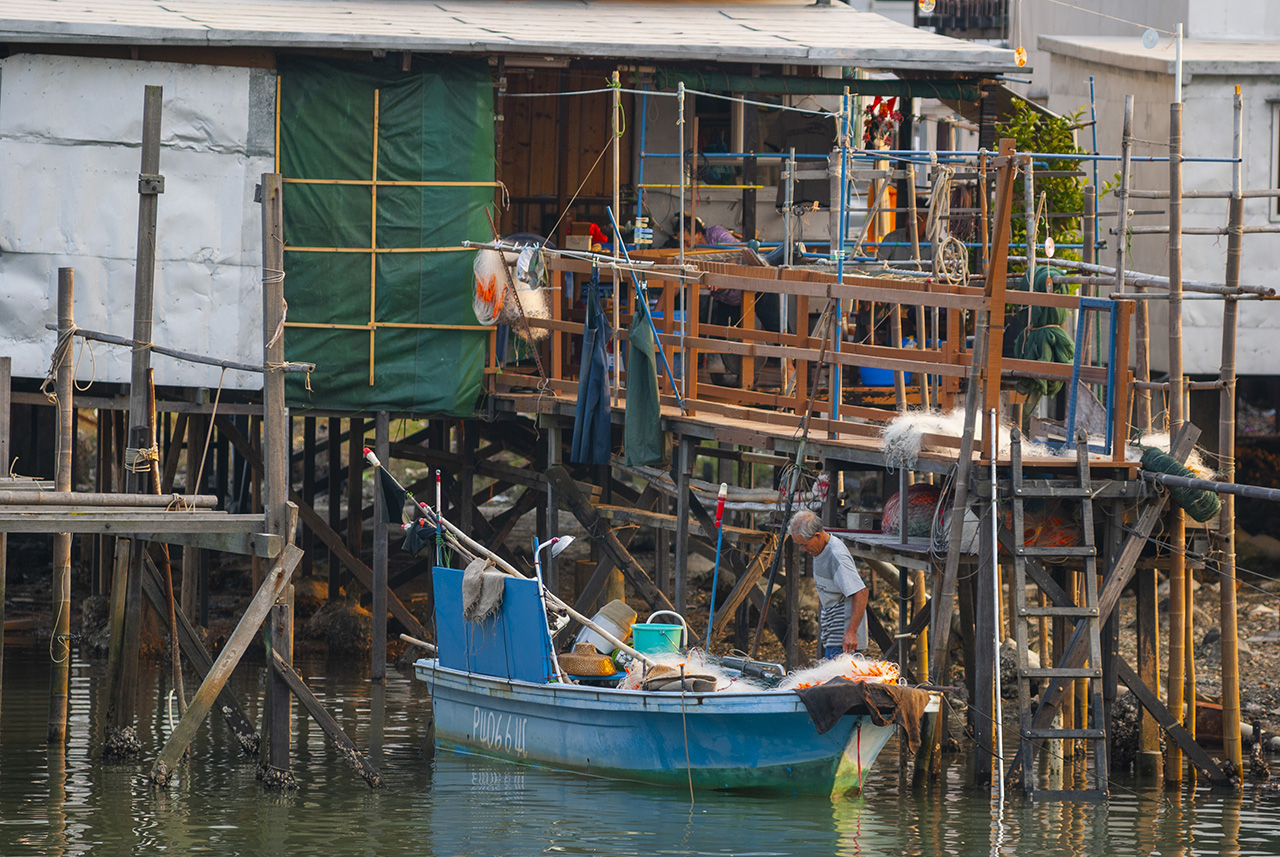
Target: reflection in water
x,y
66,802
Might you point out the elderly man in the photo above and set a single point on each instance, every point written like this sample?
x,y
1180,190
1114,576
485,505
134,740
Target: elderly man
x,y
842,596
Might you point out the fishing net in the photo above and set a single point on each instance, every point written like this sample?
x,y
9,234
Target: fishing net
x,y
1197,502
1035,332
922,499
856,668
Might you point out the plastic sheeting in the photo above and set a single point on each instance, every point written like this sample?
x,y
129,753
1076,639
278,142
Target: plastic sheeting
x,y
70,130
434,125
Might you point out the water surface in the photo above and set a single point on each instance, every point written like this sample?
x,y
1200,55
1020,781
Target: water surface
x,y
56,802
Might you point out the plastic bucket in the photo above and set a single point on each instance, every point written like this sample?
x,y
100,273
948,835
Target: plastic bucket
x,y
651,638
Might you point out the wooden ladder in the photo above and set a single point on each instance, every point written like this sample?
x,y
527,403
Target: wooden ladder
x,y
1031,738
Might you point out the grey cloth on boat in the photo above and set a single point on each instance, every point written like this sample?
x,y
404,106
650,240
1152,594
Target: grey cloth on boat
x,y
885,703
482,587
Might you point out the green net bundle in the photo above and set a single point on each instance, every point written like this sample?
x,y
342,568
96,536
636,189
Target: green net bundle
x,y
1035,332
1197,502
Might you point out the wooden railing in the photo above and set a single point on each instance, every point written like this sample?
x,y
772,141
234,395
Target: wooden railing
x,y
801,352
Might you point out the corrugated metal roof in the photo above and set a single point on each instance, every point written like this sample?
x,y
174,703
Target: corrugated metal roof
x,y
776,32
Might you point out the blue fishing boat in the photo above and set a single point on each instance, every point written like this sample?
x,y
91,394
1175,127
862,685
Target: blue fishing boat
x,y
494,692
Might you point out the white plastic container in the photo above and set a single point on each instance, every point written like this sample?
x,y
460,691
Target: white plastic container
x,y
616,618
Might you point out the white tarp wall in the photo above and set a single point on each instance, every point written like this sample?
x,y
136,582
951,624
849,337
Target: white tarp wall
x,y
70,154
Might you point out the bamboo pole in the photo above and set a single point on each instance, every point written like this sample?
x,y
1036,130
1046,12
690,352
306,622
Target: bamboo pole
x,y
1180,608
1142,398
1227,458
59,645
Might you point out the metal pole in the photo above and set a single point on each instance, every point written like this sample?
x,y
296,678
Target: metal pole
x,y
617,250
1142,398
684,285
1029,217
59,648
995,601
1180,610
1227,459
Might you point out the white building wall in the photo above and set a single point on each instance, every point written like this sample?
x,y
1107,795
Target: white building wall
x,y
1207,133
70,134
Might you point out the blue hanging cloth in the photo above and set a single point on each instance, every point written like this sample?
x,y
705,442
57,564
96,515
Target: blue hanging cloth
x,y
592,438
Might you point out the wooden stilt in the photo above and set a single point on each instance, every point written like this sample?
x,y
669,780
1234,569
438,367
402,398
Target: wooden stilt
x,y
281,515
685,454
335,501
355,488
308,491
247,628
378,647
122,739
347,748
197,428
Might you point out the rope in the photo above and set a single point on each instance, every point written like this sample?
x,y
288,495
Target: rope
x,y
55,362
208,436
139,460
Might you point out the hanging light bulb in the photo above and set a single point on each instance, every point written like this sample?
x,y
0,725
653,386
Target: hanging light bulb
x,y
926,6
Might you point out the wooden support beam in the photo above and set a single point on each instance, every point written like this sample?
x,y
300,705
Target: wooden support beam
x,y
598,528
746,580
246,629
504,522
657,520
1151,702
362,573
346,747
198,657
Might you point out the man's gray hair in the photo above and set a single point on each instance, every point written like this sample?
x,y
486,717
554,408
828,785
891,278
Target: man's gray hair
x,y
804,525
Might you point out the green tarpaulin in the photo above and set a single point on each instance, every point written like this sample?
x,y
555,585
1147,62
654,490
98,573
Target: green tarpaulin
x,y
434,124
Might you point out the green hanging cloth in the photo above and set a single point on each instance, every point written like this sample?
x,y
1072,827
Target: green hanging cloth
x,y
642,425
1035,332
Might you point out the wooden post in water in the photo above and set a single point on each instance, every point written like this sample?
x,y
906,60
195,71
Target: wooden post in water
x,y
378,647
197,426
1230,641
335,501
1179,609
684,464
355,492
59,645
6,381
122,741
275,453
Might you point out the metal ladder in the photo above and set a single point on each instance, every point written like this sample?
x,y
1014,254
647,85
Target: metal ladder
x,y
1032,739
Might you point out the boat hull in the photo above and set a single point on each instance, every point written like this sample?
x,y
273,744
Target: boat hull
x,y
763,740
